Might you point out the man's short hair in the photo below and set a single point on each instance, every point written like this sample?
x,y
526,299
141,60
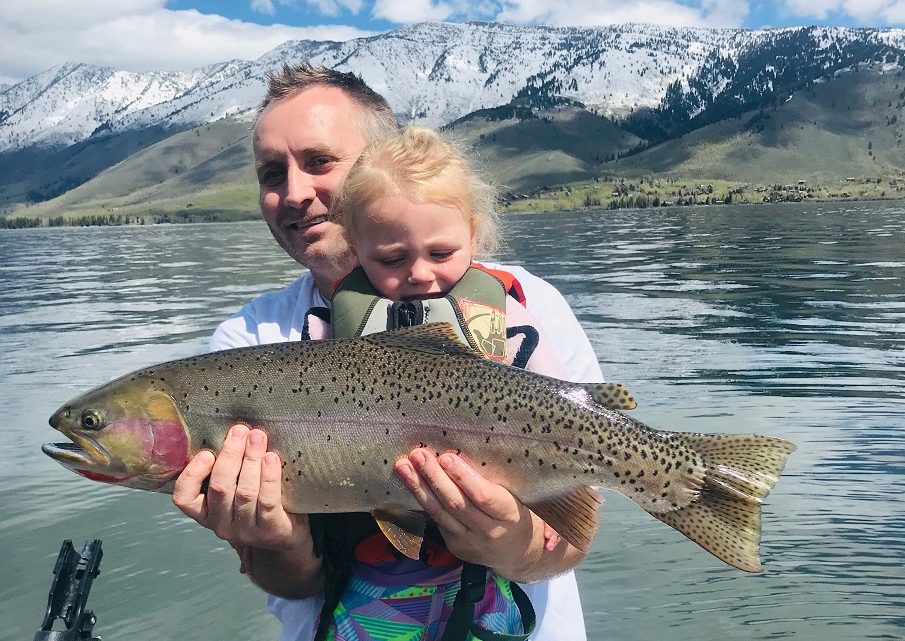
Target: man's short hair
x,y
378,120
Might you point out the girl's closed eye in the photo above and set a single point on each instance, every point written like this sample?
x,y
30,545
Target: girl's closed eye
x,y
442,254
391,261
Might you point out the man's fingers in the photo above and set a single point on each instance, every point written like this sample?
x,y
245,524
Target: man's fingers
x,y
434,490
270,511
249,484
491,499
221,491
187,492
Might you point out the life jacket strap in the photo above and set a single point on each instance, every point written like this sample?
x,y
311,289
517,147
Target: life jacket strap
x,y
471,591
510,283
461,625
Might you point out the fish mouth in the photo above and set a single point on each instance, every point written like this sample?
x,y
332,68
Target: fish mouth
x,y
79,453
74,458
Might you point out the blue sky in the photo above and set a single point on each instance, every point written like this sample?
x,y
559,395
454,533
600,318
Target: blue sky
x,y
749,15
141,35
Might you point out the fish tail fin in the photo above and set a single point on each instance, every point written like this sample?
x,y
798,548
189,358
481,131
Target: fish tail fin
x,y
724,519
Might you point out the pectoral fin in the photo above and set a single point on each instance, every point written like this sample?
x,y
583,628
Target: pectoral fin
x,y
403,528
573,515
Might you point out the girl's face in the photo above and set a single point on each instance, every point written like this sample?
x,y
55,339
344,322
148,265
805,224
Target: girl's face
x,y
413,250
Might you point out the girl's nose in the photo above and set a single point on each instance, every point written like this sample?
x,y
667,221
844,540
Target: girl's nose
x,y
420,272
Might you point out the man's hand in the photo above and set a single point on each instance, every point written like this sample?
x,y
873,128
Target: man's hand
x,y
483,522
243,505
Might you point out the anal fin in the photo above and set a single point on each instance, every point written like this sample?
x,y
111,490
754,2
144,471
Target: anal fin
x,y
572,514
403,528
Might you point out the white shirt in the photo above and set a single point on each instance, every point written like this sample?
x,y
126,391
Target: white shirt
x,y
279,316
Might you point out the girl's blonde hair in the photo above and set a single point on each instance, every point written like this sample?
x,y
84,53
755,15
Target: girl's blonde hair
x,y
423,166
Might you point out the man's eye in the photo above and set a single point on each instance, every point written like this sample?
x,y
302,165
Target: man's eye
x,y
320,162
271,177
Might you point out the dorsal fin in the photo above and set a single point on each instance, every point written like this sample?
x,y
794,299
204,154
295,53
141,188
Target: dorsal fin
x,y
433,338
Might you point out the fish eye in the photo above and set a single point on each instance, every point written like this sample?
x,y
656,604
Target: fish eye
x,y
91,420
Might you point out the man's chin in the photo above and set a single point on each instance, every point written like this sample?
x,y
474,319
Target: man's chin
x,y
326,259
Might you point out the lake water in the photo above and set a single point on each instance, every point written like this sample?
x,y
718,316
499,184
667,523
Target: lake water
x,y
783,320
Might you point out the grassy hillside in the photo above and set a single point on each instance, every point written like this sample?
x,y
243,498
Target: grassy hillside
x,y
38,173
564,145
852,125
208,168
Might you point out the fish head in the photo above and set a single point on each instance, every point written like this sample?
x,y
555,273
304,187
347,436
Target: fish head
x,y
125,433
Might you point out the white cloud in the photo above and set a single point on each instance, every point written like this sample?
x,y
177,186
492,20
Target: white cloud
x,y
862,12
136,35
409,11
895,13
706,13
68,14
263,6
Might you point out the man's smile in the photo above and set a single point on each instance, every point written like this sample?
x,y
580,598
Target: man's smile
x,y
300,225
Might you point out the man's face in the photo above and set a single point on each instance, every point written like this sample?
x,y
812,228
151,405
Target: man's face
x,y
304,146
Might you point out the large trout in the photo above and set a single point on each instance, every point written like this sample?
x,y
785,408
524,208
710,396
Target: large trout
x,y
341,412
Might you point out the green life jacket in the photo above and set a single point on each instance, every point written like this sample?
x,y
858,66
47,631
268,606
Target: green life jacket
x,y
475,306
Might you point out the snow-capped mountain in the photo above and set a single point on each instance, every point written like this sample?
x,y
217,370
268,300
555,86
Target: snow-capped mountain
x,y
435,73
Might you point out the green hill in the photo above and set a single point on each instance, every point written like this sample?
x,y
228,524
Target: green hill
x,y
852,125
207,168
561,145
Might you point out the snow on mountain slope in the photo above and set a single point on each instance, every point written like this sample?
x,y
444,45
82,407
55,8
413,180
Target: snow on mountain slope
x,y
432,73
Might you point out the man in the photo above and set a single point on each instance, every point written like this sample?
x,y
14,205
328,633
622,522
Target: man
x,y
313,125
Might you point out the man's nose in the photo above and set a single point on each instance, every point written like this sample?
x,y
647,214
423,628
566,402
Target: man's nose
x,y
299,188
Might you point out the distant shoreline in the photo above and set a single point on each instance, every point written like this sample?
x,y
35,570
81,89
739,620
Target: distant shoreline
x,y
612,194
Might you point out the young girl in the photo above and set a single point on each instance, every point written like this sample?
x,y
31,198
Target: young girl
x,y
416,216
